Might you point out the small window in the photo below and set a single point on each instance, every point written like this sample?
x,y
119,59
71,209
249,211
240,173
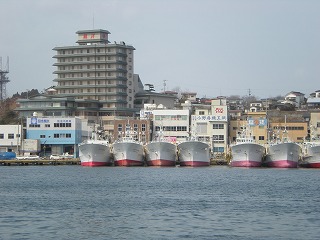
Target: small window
x,y
10,136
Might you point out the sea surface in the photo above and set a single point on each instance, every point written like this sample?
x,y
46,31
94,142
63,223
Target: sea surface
x,y
217,202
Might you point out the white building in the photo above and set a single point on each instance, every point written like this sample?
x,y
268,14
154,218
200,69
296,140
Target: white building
x,y
10,138
294,98
174,123
211,125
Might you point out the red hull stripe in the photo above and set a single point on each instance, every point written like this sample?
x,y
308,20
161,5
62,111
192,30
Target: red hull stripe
x,y
194,164
282,164
127,163
95,164
311,165
161,162
245,164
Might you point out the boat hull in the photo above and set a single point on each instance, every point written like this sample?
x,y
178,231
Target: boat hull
x,y
247,155
193,154
283,155
161,154
94,154
312,157
128,154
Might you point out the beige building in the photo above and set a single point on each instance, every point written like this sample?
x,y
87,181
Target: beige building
x,y
256,121
266,126
314,127
97,70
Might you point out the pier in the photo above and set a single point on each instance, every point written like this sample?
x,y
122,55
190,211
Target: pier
x,y
76,161
23,162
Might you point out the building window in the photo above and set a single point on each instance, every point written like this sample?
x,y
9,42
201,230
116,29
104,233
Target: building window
x,y
261,138
42,136
218,149
201,112
217,126
34,125
181,128
62,124
10,136
119,128
1,136
62,135
143,127
218,138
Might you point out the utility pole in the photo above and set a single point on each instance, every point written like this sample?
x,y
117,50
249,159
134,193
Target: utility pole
x,y
3,79
164,85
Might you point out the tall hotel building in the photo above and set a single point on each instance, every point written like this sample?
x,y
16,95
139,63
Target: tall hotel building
x,y
99,75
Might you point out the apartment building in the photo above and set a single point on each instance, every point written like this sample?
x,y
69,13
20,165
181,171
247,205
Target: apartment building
x,y
97,70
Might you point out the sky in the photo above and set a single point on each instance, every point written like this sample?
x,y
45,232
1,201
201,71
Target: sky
x,y
266,48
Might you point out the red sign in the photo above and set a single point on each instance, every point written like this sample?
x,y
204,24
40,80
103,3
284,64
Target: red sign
x,y
219,110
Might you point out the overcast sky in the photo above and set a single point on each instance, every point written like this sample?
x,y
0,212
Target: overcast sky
x,y
212,47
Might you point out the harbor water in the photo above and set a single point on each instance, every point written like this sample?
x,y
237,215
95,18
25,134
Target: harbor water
x,y
217,202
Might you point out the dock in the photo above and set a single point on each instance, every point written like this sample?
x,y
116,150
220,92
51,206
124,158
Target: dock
x,y
218,161
25,162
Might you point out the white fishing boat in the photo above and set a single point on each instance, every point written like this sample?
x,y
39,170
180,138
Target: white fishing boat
x,y
194,153
128,151
246,152
311,151
95,151
161,151
283,153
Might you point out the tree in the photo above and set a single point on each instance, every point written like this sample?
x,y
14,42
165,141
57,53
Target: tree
x,y
248,99
7,113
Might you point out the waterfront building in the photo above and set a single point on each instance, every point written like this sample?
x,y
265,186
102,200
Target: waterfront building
x,y
296,123
57,135
210,122
257,123
140,129
10,138
314,125
174,123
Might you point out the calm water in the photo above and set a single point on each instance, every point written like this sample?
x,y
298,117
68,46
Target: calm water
x,y
74,202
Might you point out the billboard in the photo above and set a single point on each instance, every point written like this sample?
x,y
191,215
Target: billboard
x,y
261,122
